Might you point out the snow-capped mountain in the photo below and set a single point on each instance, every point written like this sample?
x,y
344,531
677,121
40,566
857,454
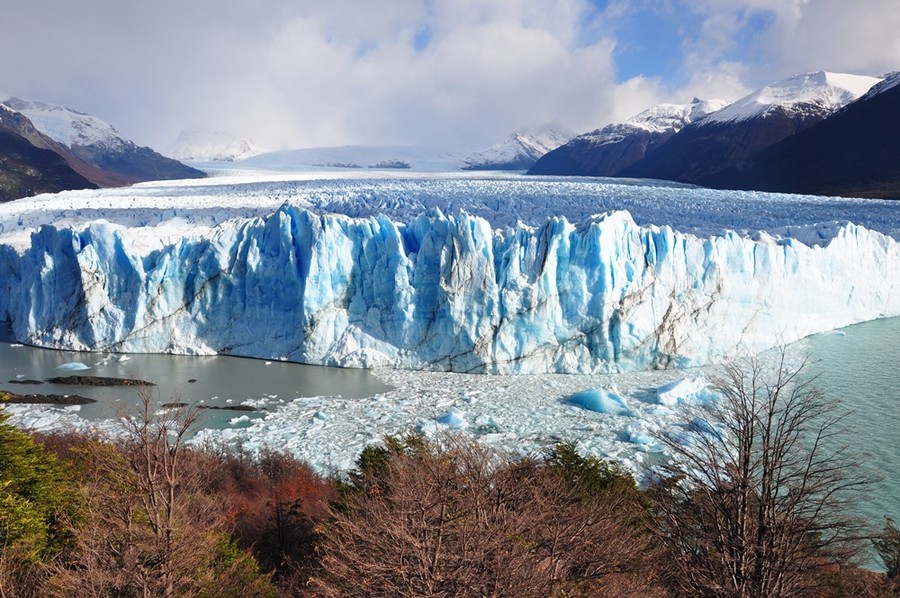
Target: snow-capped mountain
x,y
732,136
606,151
201,145
853,152
355,157
519,151
888,81
819,93
66,126
97,143
31,163
664,118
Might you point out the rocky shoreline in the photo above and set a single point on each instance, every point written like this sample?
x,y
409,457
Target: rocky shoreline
x,y
67,399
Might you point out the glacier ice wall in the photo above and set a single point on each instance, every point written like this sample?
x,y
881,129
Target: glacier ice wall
x,y
444,292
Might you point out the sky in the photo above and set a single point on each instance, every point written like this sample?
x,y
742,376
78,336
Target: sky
x,y
448,74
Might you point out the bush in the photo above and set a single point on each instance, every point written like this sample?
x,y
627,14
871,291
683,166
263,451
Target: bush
x,y
449,517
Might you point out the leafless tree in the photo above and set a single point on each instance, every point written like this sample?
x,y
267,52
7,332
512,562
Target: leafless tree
x,y
455,520
149,527
759,499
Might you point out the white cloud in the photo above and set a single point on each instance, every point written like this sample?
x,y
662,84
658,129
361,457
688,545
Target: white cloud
x,y
859,37
444,72
744,44
296,74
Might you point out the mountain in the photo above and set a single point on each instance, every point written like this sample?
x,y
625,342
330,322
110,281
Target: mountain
x,y
855,153
732,136
96,143
355,157
607,151
27,165
200,145
519,151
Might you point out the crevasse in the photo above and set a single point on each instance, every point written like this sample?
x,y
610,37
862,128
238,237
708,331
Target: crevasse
x,y
444,292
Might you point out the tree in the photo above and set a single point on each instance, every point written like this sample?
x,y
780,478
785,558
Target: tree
x,y
451,518
275,503
36,496
887,544
150,524
757,500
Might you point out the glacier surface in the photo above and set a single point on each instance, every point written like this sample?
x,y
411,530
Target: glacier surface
x,y
493,275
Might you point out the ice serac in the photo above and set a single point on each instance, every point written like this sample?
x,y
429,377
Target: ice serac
x,y
444,292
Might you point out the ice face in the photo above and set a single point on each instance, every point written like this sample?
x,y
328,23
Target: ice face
x,y
444,292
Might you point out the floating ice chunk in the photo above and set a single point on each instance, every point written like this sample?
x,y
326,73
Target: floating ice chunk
x,y
19,376
486,424
428,428
600,400
124,358
73,366
637,433
687,391
453,419
239,420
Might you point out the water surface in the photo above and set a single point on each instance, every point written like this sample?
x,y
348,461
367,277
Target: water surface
x,y
209,380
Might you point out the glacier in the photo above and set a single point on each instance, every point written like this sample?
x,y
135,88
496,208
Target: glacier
x,y
444,291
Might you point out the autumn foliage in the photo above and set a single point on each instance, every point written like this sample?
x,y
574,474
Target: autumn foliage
x,y
145,514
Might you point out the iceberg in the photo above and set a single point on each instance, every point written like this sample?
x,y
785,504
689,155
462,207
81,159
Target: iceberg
x,y
443,292
73,366
601,400
686,391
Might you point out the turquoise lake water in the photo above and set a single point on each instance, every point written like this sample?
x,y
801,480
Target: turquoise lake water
x,y
859,366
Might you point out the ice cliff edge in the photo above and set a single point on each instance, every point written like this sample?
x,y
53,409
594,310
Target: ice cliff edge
x,y
444,292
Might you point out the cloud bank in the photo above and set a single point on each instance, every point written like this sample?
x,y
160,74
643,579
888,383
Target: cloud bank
x,y
446,73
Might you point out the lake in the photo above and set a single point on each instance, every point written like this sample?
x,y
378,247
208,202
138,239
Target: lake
x,y
216,381
857,364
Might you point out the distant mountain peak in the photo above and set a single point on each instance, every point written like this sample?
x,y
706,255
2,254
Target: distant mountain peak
x,y
64,125
664,117
826,91
113,159
520,150
203,145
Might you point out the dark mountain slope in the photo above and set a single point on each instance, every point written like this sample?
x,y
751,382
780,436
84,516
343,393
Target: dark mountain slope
x,y
701,151
28,170
114,159
608,151
854,153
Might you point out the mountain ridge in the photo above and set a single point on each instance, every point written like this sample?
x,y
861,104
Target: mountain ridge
x,y
96,143
28,164
607,151
734,147
519,151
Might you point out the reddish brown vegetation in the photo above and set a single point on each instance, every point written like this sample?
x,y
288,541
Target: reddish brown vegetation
x,y
149,516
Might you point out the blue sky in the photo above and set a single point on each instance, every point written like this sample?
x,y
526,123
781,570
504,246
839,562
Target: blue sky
x,y
446,73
